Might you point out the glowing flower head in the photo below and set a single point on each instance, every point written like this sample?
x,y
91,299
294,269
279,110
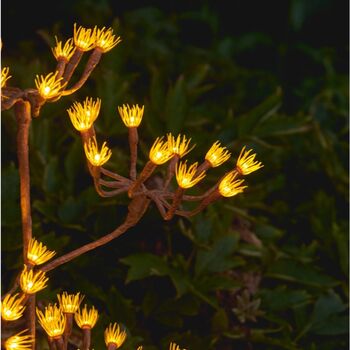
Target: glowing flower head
x,y
228,187
160,152
96,157
5,76
70,303
140,347
52,320
217,155
83,115
19,342
187,178
32,282
85,318
12,308
114,335
174,346
38,253
84,39
246,162
49,86
105,39
65,51
180,145
131,117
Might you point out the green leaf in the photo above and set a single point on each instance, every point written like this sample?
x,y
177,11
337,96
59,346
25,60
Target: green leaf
x,y
144,265
218,258
175,106
292,271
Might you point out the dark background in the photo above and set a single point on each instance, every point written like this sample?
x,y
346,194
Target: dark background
x,y
264,270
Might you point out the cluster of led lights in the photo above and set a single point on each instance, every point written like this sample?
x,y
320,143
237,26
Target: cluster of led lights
x,y
54,318
163,149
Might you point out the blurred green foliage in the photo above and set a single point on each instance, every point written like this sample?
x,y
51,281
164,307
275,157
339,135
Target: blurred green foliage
x,y
265,270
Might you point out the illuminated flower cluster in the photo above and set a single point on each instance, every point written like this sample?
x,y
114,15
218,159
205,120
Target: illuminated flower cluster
x,y
160,152
217,155
49,86
12,308
229,187
70,303
5,76
180,145
114,335
105,39
186,177
32,282
19,342
131,116
96,157
38,253
86,318
246,162
52,320
84,115
65,51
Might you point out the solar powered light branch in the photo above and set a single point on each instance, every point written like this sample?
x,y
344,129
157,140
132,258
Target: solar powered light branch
x,y
57,321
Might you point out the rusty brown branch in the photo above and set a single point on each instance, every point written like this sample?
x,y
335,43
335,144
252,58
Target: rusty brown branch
x,y
133,141
176,202
86,338
145,174
72,64
171,171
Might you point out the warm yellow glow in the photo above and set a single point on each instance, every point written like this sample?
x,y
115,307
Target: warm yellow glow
x,y
85,318
70,303
180,145
12,308
131,116
160,152
186,176
38,253
5,76
49,86
228,187
52,320
65,51
140,347
105,39
246,162
32,282
19,342
217,155
83,115
84,39
96,157
114,335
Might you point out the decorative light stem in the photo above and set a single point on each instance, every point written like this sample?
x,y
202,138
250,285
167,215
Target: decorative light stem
x,y
133,141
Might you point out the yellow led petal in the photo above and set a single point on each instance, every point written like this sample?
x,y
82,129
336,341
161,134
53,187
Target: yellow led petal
x,y
83,115
12,308
174,346
84,39
32,282
228,187
160,152
70,303
140,347
246,162
38,253
186,176
85,318
52,320
114,335
19,342
180,145
65,51
5,76
131,117
96,157
49,86
106,40
217,155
